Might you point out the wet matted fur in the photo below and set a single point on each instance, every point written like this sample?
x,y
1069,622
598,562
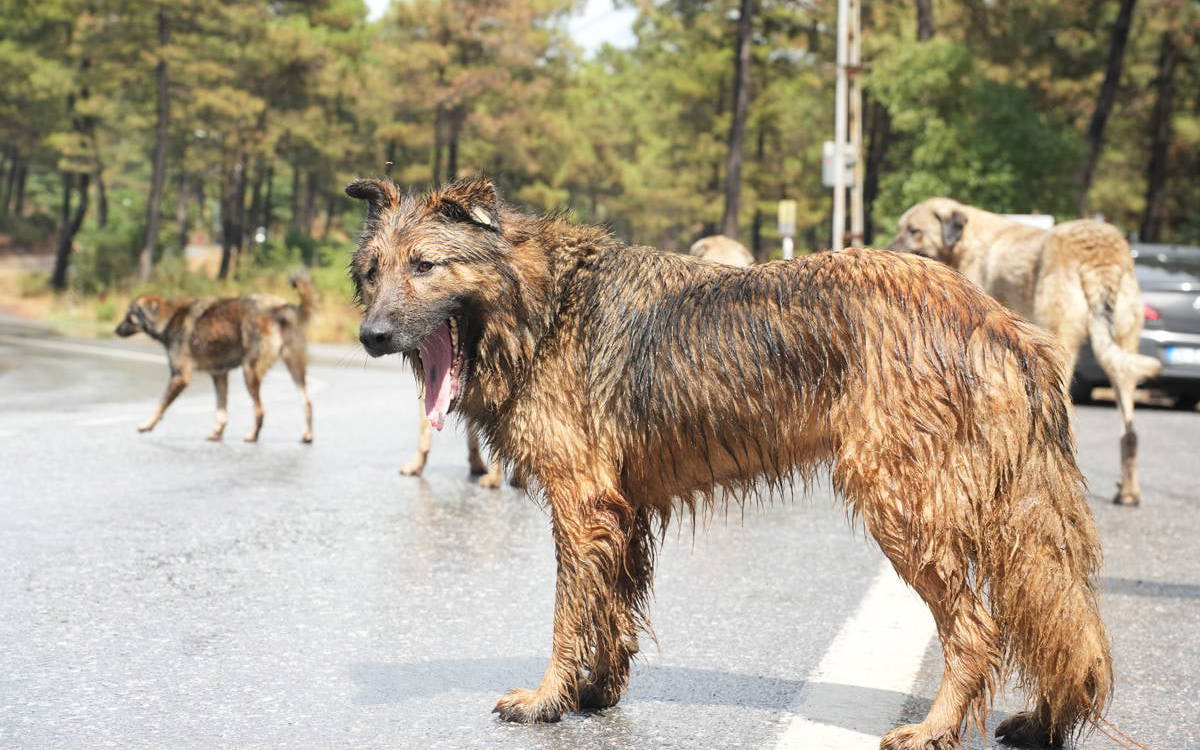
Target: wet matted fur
x,y
941,416
1075,280
219,335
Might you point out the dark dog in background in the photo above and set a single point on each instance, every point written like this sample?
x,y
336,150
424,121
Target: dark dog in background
x,y
219,335
632,383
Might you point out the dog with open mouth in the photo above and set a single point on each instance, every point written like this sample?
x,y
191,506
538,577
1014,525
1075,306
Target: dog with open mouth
x,y
631,384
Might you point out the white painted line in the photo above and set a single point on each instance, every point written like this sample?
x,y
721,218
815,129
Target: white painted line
x,y
71,346
878,651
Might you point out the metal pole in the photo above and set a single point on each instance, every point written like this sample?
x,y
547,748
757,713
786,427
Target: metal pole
x,y
856,145
839,128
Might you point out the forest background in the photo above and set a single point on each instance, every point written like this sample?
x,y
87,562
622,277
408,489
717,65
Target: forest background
x,y
200,148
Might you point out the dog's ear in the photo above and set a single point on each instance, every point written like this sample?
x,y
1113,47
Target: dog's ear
x,y
380,195
952,228
471,200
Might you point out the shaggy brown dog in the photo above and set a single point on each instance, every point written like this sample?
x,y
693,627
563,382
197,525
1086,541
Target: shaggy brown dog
x,y
216,336
1075,280
942,418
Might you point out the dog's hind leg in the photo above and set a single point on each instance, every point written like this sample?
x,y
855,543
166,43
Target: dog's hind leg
x,y
424,442
591,531
928,551
221,386
491,475
179,380
296,368
253,384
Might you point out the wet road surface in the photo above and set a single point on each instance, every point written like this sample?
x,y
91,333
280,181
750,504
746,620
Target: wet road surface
x,y
161,591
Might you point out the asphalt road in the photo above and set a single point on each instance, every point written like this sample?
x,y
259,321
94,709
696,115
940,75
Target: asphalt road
x,y
160,591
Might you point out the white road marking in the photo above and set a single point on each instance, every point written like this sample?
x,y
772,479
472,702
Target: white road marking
x,y
878,651
72,346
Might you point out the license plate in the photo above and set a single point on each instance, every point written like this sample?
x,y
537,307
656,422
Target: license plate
x,y
1183,355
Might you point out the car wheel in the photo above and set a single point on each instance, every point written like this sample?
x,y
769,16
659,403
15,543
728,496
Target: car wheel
x,y
1081,391
1187,401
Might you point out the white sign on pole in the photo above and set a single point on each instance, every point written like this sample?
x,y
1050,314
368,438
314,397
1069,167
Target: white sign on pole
x,y
787,225
827,156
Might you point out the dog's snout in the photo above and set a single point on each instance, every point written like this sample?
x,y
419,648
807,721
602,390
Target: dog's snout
x,y
376,336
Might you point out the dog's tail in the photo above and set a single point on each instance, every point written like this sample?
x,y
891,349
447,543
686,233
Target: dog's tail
x,y
1114,307
1041,577
302,283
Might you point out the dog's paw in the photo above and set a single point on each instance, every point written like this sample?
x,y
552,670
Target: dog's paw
x,y
412,468
1127,498
919,737
146,426
593,697
1025,729
214,437
490,481
528,707
251,438
306,438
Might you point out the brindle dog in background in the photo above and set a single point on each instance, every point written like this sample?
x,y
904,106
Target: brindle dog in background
x,y
631,383
721,249
1075,280
216,336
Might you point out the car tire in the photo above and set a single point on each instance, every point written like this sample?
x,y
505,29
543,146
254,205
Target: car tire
x,y
1081,391
1187,401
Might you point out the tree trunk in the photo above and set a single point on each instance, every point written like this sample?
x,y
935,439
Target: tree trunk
x,y
737,131
226,203
10,179
1108,91
101,196
439,115
1160,129
70,227
310,202
924,20
457,117
268,207
256,196
239,207
181,210
158,171
295,197
879,135
19,200
330,212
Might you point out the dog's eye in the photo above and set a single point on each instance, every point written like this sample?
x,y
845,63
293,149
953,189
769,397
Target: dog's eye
x,y
914,231
424,266
371,274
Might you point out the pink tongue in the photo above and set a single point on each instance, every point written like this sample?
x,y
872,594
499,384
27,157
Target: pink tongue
x,y
437,357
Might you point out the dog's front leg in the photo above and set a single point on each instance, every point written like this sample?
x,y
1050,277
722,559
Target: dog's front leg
x,y
590,533
179,381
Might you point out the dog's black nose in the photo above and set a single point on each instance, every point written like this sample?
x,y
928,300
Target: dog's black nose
x,y
375,335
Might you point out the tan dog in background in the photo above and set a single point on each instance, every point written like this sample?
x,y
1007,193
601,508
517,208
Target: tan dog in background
x,y
491,475
219,335
1076,280
721,249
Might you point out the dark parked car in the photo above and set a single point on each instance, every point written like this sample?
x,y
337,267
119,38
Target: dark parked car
x,y
1169,276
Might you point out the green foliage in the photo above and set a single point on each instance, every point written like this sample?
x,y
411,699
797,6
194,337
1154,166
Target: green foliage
x,y
965,136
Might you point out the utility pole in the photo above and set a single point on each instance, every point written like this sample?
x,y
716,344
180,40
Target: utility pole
x,y
856,131
839,127
847,117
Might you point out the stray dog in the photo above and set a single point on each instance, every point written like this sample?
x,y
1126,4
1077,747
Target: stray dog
x,y
721,249
491,475
216,336
1075,280
942,417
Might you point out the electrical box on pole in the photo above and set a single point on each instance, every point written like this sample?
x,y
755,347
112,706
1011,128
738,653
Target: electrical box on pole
x,y
787,226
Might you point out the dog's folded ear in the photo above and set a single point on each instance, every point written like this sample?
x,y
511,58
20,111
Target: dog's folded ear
x,y
380,195
952,228
471,200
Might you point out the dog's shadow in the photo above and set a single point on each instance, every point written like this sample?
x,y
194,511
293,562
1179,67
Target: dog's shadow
x,y
380,683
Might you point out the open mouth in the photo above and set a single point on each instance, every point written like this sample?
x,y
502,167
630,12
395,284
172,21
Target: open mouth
x,y
442,360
